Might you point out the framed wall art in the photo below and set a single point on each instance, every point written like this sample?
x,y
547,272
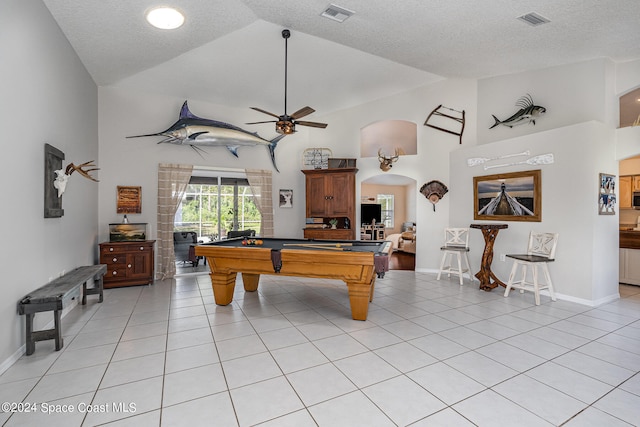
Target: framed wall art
x,y
515,196
129,200
607,194
286,198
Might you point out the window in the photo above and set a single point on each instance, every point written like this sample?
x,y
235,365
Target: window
x,y
386,200
212,206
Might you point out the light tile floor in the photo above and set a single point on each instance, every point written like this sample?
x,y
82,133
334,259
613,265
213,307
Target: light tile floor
x,y
431,354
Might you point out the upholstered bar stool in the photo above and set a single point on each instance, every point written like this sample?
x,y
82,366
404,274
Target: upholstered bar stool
x,y
456,246
541,250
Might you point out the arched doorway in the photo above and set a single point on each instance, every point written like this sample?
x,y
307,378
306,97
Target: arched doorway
x,y
396,195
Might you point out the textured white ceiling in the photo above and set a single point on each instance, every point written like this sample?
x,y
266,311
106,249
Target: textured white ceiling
x,y
231,52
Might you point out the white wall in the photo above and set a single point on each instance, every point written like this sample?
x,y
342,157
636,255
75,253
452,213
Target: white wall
x,y
124,113
627,76
47,97
569,207
135,161
571,94
579,129
343,137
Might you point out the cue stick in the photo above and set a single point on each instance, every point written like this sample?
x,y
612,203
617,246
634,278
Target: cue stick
x,y
310,245
336,245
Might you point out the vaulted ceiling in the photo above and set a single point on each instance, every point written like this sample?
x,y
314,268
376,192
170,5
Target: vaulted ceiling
x,y
231,52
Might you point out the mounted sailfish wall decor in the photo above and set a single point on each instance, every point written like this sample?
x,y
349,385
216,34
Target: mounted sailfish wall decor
x,y
528,113
197,132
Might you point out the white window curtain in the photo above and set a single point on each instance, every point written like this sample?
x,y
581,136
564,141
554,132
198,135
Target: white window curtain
x,y
260,182
172,183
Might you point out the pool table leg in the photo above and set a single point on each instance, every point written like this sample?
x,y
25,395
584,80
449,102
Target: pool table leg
x,y
223,285
359,297
250,281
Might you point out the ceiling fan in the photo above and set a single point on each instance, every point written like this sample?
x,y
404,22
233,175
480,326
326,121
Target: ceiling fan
x,y
286,124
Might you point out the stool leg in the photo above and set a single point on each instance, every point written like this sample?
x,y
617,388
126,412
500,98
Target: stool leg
x,y
536,286
512,276
466,257
545,269
444,257
459,257
523,283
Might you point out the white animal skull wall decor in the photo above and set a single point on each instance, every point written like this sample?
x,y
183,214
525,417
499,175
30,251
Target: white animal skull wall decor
x,y
62,177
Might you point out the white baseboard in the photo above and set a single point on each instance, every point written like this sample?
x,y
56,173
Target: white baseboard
x,y
6,364
563,297
582,301
435,271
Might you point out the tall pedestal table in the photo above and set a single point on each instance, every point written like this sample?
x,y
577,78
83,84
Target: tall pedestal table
x,y
485,275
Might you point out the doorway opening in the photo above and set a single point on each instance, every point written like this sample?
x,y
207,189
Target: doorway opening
x,y
396,195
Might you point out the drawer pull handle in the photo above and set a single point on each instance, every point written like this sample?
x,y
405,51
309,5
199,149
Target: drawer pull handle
x,y
110,249
115,259
141,248
114,273
129,265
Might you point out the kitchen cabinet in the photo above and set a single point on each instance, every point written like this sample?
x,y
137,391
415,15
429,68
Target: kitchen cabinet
x,y
629,266
128,263
636,182
331,193
626,184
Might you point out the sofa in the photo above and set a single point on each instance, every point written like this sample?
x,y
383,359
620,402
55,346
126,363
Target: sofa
x,y
405,240
241,233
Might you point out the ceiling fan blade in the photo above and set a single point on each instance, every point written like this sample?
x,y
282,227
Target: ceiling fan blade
x,y
305,111
265,112
312,124
257,123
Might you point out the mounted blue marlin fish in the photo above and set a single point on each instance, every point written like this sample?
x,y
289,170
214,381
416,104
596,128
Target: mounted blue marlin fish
x,y
198,132
528,113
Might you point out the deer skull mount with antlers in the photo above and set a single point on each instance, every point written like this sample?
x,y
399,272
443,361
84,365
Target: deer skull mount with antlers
x,y
386,163
62,177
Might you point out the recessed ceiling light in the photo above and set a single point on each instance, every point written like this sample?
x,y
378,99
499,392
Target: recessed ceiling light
x,y
165,18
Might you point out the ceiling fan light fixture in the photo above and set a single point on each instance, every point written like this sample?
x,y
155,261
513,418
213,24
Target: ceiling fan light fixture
x,y
285,127
165,18
286,123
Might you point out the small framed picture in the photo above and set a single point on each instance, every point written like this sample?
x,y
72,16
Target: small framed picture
x,y
129,200
286,198
607,194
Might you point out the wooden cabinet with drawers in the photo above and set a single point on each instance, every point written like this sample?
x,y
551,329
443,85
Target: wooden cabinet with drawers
x,y
331,193
128,263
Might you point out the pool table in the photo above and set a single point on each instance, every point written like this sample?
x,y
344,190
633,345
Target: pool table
x,y
355,262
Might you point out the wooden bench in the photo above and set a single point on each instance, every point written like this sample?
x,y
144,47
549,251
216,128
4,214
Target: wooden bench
x,y
56,295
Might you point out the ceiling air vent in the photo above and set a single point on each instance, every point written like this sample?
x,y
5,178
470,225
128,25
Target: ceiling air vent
x,y
337,13
533,19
